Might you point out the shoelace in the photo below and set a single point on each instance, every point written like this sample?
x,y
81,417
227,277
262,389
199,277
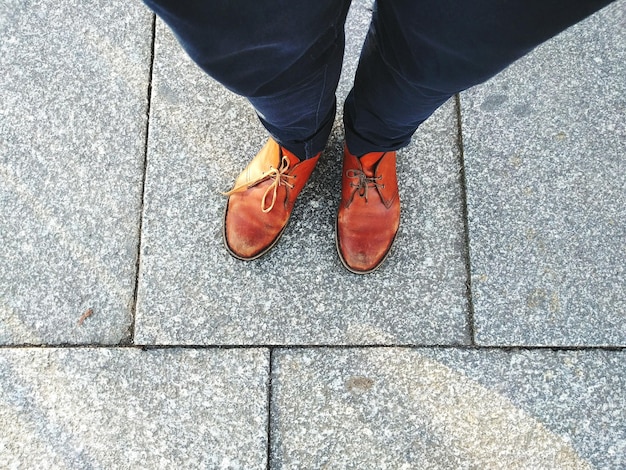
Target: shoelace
x,y
279,177
364,183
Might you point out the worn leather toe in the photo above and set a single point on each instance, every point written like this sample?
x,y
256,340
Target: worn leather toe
x,y
262,199
369,212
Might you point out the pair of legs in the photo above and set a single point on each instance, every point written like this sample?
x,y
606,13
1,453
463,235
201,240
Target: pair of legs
x,y
285,57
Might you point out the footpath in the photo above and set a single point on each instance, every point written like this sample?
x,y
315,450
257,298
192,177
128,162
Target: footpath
x,y
493,336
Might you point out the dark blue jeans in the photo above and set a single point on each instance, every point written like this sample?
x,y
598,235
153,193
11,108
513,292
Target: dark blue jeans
x,y
285,57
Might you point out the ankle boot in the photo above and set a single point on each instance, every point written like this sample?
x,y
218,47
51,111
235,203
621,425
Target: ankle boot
x,y
369,212
261,201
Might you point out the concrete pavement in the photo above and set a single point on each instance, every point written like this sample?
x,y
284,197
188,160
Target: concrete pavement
x,y
493,336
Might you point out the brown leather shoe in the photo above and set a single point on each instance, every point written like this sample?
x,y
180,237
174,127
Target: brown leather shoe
x,y
261,201
369,213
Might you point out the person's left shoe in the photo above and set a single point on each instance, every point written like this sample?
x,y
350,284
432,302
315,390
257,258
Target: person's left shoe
x,y
261,201
369,212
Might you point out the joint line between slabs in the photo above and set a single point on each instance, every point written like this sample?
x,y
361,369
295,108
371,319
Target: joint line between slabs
x,y
464,214
269,409
131,331
288,347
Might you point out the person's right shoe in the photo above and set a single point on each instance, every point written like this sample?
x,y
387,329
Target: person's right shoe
x,y
369,212
262,199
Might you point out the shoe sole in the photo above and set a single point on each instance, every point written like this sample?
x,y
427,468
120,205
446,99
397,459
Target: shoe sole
x,y
258,255
343,261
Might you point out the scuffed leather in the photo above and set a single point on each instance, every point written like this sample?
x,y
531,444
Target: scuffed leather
x,y
366,228
248,231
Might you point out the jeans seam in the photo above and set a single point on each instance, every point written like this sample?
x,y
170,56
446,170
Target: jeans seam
x,y
319,103
308,145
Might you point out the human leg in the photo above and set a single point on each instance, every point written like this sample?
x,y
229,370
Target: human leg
x,y
417,54
285,57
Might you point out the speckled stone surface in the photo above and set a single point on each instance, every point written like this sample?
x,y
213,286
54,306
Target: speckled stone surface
x,y
127,408
448,408
73,88
357,24
193,292
544,147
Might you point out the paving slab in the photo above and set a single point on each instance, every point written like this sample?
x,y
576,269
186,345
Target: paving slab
x,y
193,292
73,88
546,177
126,408
400,408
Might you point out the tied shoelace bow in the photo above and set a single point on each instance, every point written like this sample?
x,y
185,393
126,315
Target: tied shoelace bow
x,y
278,176
364,183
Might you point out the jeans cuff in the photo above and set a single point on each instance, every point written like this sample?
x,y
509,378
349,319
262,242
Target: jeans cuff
x,y
313,145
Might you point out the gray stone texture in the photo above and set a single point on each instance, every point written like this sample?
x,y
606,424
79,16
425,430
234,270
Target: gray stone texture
x,y
193,292
126,408
544,148
448,408
73,88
